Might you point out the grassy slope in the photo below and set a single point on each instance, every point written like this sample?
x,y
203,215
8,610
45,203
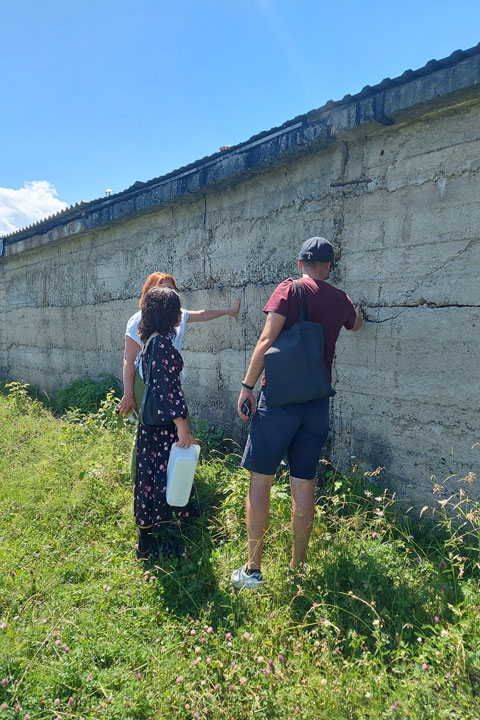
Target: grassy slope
x,y
385,625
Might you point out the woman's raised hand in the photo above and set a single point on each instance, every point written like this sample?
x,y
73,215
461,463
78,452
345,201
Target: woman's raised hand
x,y
235,309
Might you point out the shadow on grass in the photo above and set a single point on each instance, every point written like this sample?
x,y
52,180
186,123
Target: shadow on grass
x,y
188,584
378,596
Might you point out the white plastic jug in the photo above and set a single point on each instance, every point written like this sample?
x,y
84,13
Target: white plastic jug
x,y
180,473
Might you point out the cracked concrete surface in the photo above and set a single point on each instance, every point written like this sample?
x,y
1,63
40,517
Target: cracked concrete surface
x,y
400,204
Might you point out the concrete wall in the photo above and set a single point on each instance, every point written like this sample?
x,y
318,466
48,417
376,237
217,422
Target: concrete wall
x,y
401,206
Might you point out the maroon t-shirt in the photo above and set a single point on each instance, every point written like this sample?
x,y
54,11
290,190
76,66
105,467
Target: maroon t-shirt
x,y
325,304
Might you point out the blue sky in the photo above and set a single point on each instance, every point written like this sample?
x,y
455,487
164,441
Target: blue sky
x,y
100,94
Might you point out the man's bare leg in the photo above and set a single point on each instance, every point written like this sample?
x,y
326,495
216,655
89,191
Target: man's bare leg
x,y
302,518
258,506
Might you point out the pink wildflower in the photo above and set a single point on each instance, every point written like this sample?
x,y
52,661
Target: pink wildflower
x,y
424,666
71,700
56,702
180,679
193,632
272,615
210,630
246,636
436,619
3,626
243,681
228,636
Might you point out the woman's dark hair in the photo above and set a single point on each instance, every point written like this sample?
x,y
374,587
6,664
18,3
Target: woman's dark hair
x,y
160,307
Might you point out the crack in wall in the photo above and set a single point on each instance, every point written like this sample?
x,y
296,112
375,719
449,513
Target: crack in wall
x,y
406,306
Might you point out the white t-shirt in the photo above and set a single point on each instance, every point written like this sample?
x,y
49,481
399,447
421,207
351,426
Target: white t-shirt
x,y
132,332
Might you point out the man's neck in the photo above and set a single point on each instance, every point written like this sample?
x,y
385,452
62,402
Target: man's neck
x,y
320,276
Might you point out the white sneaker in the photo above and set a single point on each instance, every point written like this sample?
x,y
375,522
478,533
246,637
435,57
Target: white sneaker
x,y
241,579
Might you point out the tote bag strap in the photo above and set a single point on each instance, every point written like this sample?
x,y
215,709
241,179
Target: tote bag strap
x,y
301,301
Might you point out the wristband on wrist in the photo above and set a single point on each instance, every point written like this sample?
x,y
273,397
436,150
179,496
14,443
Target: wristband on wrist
x,y
247,387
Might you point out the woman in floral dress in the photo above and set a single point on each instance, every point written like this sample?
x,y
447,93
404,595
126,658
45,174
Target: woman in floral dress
x,y
161,313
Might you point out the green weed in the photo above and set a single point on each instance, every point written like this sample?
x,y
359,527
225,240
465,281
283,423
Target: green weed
x,y
383,625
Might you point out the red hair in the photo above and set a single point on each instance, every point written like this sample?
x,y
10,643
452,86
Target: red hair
x,y
154,280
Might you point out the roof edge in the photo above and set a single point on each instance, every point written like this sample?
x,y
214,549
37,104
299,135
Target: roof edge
x,y
304,133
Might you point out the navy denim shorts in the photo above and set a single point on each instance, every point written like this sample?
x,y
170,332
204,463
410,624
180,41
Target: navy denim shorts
x,y
297,431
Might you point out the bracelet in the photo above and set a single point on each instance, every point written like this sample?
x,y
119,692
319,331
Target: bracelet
x,y
247,387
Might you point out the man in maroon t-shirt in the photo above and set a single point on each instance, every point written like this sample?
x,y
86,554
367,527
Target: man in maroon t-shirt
x,y
298,430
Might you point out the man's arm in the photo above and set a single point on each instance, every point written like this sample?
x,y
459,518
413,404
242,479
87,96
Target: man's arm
x,y
359,319
205,315
273,327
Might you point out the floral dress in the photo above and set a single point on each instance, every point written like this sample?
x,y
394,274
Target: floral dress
x,y
154,444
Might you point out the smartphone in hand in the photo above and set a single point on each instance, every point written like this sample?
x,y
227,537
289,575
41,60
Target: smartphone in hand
x,y
247,408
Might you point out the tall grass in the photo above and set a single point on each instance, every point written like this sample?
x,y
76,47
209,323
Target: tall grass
x,y
385,623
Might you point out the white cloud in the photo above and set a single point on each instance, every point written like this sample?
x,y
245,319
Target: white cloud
x,y
20,208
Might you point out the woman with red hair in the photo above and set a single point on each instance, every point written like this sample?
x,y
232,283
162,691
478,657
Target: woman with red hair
x,y
132,381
